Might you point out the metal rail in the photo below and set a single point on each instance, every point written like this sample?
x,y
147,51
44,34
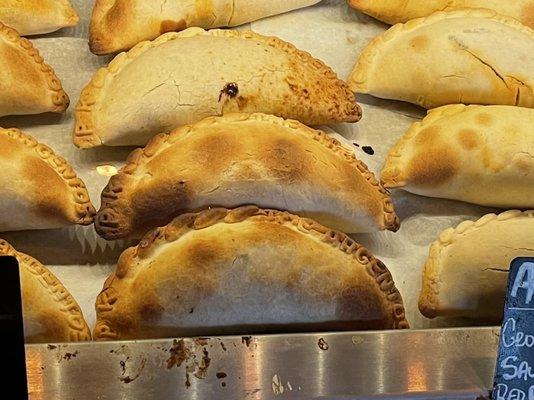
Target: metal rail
x,y
448,363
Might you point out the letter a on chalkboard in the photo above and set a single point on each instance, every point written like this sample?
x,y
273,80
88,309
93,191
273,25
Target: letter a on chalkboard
x,y
526,270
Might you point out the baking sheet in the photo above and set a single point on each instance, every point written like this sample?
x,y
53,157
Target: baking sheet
x,y
330,31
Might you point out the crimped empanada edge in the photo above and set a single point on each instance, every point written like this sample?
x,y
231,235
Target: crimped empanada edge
x,y
83,207
85,133
358,78
60,99
111,224
392,175
78,328
429,304
204,219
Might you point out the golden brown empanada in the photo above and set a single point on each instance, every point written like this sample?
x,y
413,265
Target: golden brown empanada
x,y
27,84
467,269
183,77
244,159
479,154
50,312
38,189
120,24
467,56
395,11
242,271
33,17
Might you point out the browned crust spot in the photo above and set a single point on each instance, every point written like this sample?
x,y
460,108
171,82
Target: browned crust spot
x,y
433,167
423,133
468,139
172,26
204,219
419,43
428,136
484,119
108,13
528,14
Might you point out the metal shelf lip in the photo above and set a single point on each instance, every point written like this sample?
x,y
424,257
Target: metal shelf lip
x,y
454,363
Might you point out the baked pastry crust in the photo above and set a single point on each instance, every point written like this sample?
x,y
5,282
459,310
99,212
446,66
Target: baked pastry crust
x,y
467,268
34,17
38,189
395,11
27,83
241,159
118,25
477,154
206,73
232,271
467,56
50,312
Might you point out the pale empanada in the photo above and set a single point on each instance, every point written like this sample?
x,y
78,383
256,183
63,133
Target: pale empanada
x,y
120,24
466,56
38,189
49,311
183,77
244,159
34,17
478,154
467,269
27,84
395,11
242,271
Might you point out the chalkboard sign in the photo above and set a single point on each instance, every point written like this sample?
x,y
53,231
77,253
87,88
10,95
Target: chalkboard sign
x,y
514,374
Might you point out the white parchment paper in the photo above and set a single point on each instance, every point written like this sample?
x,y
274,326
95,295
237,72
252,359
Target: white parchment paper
x,y
330,31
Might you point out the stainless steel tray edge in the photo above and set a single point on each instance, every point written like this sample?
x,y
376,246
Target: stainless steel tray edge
x,y
446,363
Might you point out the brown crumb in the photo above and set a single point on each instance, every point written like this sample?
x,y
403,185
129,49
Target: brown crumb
x,y
246,340
368,149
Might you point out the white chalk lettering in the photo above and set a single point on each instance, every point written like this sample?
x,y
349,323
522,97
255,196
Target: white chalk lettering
x,y
511,338
504,365
501,392
522,371
516,394
527,269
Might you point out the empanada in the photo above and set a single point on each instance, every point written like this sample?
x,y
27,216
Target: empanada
x,y
478,154
244,159
395,11
34,17
467,269
466,56
183,77
120,24
242,271
38,189
27,84
49,311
